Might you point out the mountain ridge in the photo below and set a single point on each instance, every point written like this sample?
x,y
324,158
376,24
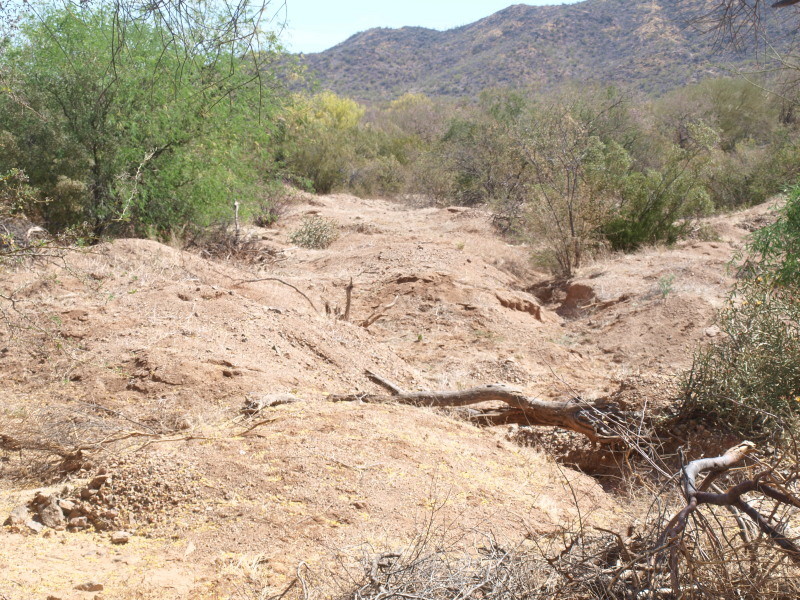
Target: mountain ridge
x,y
648,46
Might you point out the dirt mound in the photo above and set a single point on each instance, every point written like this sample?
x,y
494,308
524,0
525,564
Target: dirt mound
x,y
314,480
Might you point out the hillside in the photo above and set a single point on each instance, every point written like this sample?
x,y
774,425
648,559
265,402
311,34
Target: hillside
x,y
135,336
649,46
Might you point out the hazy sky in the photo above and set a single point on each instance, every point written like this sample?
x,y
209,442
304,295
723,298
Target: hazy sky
x,y
315,25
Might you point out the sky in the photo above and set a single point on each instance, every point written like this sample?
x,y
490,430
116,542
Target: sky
x,y
316,25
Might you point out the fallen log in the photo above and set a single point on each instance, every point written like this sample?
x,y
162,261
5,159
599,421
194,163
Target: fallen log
x,y
574,415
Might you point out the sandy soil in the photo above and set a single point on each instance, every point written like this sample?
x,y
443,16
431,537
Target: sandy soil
x,y
138,336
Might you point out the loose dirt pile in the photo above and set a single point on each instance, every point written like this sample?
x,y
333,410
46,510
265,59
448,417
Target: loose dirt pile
x,y
159,349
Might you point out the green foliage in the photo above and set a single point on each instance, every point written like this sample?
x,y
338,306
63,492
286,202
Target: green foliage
x,y
574,181
480,151
665,285
128,127
315,232
750,379
777,246
334,144
737,109
17,198
571,171
780,163
756,151
659,205
320,138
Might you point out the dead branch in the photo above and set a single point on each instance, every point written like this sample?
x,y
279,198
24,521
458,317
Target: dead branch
x,y
241,281
697,495
257,425
392,387
574,415
379,313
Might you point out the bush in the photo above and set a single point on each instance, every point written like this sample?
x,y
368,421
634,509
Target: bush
x,y
17,197
320,139
750,380
380,175
315,232
658,205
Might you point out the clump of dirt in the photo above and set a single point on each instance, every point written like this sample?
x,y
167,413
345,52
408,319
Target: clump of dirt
x,y
135,492
130,493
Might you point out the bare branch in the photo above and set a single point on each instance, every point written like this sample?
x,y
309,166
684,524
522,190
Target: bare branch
x,y
574,415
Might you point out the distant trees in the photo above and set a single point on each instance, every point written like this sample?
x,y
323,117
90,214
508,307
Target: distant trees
x,y
333,142
562,172
320,139
570,172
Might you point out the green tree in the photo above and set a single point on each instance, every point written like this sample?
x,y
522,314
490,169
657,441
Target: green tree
x,y
119,120
320,139
480,152
574,183
659,205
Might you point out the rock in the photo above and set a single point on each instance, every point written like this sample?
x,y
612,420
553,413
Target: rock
x,y
51,514
18,516
87,494
40,499
79,523
98,482
579,296
120,537
360,505
90,587
34,526
101,525
70,465
516,302
66,505
713,331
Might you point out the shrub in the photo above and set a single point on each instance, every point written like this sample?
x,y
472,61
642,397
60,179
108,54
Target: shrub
x,y
575,178
658,205
380,175
750,379
315,232
319,139
17,197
